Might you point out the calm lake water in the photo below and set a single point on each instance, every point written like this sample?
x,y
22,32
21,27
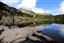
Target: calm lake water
x,y
55,31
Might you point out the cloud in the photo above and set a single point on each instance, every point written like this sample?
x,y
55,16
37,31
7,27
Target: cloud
x,y
31,5
61,8
10,2
40,10
28,4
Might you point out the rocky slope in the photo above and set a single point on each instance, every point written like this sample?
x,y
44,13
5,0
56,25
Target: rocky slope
x,y
11,18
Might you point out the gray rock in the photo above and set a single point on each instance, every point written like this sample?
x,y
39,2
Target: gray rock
x,y
16,34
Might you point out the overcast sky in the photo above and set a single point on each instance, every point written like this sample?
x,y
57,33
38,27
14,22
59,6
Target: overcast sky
x,y
41,6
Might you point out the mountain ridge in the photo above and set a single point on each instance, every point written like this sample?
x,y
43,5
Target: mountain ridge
x,y
12,16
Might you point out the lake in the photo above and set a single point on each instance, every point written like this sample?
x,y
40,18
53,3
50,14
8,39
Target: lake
x,y
55,31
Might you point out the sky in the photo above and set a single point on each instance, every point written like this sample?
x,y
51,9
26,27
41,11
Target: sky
x,y
54,7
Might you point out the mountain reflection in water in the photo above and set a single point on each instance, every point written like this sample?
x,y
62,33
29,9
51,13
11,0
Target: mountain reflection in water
x,y
55,31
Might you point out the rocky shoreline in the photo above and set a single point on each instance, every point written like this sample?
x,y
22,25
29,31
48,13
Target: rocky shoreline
x,y
14,26
15,34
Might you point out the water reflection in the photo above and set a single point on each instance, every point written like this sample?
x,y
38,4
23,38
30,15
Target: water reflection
x,y
55,31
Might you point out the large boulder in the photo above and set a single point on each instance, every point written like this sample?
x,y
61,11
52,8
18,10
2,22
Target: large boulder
x,y
16,34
